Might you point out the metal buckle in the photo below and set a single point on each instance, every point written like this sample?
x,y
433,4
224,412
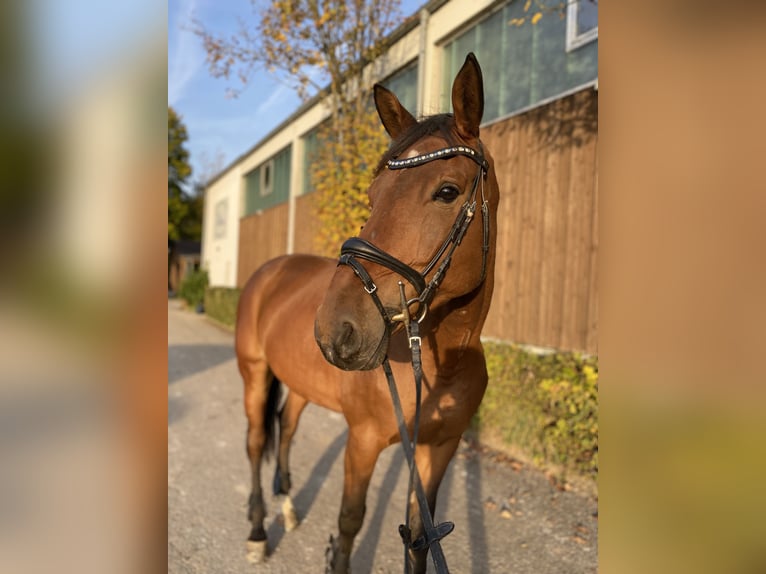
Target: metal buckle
x,y
370,291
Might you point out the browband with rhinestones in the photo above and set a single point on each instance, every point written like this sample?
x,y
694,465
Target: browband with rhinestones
x,y
439,154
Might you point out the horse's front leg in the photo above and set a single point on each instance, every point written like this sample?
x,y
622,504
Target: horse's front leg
x,y
362,450
432,463
258,381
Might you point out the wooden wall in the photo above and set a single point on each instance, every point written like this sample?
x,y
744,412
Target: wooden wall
x,y
547,250
306,224
547,245
262,236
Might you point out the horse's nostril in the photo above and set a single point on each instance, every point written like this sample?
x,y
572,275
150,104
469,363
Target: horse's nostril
x,y
348,341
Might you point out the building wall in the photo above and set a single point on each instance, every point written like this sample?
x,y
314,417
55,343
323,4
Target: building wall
x,y
546,290
220,229
262,236
306,224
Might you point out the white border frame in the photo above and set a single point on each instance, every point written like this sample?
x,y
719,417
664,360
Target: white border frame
x,y
574,40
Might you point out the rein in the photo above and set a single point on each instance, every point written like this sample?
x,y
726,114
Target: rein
x,y
355,249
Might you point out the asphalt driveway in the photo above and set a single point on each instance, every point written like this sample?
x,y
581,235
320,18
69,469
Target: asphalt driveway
x,y
509,518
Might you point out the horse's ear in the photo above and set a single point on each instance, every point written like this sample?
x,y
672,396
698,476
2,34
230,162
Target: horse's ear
x,y
468,98
396,119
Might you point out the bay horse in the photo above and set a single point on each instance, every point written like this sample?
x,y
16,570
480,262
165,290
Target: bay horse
x,y
324,327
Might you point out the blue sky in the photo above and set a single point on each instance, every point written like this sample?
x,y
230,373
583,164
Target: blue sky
x,y
221,128
73,43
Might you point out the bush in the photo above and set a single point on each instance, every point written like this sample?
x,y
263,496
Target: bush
x,y
221,304
192,288
544,405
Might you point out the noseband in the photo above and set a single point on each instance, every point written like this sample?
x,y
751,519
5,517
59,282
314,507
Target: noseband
x,y
356,248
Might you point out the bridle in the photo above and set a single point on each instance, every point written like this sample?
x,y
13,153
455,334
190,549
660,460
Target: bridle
x,y
355,249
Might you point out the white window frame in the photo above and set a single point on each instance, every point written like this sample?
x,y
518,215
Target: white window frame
x,y
264,189
575,40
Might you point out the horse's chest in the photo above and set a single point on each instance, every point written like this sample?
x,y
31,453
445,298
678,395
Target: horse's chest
x,y
447,406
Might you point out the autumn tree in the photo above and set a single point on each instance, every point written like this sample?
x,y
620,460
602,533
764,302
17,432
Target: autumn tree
x,y
334,48
340,175
184,208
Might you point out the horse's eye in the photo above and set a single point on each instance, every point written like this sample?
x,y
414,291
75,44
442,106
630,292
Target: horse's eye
x,y
447,194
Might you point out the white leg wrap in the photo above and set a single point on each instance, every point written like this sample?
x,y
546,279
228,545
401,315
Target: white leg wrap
x,y
288,511
257,551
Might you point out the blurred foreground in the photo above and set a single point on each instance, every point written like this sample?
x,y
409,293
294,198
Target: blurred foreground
x,y
82,329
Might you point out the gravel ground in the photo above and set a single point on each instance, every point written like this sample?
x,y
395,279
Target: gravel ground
x,y
509,518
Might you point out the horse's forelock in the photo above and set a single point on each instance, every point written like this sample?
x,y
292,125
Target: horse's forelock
x,y
441,123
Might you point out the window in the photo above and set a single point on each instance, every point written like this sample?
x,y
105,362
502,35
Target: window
x,y
221,208
582,22
266,179
269,183
404,83
522,66
310,149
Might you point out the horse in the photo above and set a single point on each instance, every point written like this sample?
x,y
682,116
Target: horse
x,y
325,328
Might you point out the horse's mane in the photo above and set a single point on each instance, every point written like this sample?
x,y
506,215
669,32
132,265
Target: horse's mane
x,y
427,126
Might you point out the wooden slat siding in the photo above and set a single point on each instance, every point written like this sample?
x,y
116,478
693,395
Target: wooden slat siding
x,y
262,236
503,139
578,273
547,249
528,298
306,224
554,242
592,340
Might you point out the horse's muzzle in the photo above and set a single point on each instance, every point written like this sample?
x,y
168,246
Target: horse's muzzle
x,y
348,347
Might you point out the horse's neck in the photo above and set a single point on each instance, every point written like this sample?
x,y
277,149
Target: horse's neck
x,y
458,324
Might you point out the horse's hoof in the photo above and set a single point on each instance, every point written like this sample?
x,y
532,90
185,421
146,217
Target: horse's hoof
x,y
288,512
335,561
257,550
329,556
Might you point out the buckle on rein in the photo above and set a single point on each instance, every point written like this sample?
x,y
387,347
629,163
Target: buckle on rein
x,y
410,323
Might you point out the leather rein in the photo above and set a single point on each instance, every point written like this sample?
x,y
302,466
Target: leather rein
x,y
356,249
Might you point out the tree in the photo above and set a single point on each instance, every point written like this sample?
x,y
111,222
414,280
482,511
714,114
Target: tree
x,y
184,209
327,47
340,175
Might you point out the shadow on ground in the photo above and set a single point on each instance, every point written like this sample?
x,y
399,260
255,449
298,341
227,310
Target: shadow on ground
x,y
304,498
186,360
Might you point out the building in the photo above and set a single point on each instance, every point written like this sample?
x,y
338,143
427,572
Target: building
x,y
183,260
540,122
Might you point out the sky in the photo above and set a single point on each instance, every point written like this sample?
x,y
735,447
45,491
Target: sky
x,y
71,44
220,128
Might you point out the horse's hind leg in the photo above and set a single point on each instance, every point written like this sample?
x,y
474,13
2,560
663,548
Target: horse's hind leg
x,y
288,424
260,407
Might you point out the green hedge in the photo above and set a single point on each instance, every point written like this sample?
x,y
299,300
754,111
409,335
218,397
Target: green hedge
x,y
221,304
192,288
545,405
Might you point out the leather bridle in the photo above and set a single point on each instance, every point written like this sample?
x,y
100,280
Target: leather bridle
x,y
356,249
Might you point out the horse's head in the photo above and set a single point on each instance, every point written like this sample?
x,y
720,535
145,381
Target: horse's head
x,y
429,187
